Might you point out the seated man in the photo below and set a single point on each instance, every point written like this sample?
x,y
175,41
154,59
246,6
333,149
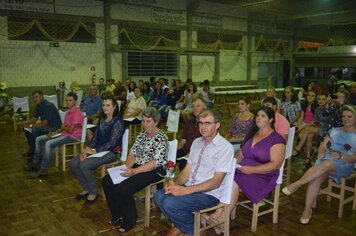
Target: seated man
x,y
49,118
92,104
199,185
190,132
69,132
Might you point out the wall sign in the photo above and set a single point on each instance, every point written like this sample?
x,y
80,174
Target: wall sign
x,y
45,6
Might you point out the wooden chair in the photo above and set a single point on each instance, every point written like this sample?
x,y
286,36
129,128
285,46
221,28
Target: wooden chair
x,y
341,194
224,203
74,145
23,105
150,189
52,99
289,151
124,153
134,130
256,207
173,123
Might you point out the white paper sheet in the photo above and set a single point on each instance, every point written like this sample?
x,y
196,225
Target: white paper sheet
x,y
99,154
56,135
28,129
115,174
89,126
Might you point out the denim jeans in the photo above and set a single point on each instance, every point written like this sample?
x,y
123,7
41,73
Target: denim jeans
x,y
179,209
49,144
36,131
83,170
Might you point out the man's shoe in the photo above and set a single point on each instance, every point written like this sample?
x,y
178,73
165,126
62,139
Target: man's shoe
x,y
30,166
27,154
38,174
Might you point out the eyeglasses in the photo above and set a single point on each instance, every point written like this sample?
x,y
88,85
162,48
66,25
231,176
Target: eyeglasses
x,y
208,123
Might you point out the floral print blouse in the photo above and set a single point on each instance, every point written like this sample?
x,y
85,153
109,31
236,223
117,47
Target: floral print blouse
x,y
146,149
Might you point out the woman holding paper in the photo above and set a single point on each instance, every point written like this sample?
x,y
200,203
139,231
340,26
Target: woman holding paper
x,y
69,132
100,151
147,156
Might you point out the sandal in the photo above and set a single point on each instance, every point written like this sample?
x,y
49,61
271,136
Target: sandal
x,y
307,162
296,152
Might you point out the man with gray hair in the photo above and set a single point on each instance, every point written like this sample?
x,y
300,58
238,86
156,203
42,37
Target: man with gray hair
x,y
198,186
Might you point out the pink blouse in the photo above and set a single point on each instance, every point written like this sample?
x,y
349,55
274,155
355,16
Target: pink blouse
x,y
74,117
308,115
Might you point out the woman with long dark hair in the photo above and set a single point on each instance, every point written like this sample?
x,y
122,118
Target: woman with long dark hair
x,y
108,135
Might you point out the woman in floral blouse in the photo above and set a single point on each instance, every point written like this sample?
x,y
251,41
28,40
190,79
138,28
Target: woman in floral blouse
x,y
147,156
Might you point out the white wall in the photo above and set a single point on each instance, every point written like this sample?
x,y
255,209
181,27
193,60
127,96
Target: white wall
x,y
34,63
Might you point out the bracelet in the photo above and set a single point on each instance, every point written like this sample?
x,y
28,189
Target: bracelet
x,y
93,149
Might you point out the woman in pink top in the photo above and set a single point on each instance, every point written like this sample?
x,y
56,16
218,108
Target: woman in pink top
x,y
69,132
305,124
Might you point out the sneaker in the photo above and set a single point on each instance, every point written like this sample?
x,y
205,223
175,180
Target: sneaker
x,y
30,166
40,173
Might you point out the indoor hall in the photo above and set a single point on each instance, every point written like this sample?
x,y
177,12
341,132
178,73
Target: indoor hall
x,y
241,47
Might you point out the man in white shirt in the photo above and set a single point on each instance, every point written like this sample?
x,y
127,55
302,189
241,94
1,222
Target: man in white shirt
x,y
199,184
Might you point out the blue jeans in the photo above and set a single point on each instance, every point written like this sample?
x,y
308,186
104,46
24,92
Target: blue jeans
x,y
49,144
83,170
179,209
36,131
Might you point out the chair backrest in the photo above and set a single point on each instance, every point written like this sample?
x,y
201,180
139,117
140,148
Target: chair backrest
x,y
62,114
280,176
119,103
290,141
125,145
173,121
52,99
21,103
79,93
84,129
227,184
172,150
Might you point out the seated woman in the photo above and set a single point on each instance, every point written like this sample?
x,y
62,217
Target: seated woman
x,y
305,125
146,158
108,135
290,107
261,156
336,158
241,124
147,92
187,99
159,97
69,132
133,112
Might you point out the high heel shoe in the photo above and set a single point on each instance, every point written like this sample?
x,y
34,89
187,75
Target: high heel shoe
x,y
287,192
305,221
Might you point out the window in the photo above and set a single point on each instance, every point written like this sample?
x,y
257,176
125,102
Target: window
x,y
152,63
57,29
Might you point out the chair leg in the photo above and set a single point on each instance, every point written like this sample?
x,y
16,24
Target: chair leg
x,y
147,206
276,203
289,168
56,156
102,172
342,197
254,218
329,188
196,223
64,158
354,202
226,221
